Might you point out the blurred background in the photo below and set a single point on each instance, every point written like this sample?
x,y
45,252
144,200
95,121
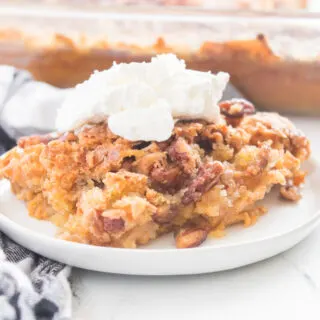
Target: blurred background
x,y
271,48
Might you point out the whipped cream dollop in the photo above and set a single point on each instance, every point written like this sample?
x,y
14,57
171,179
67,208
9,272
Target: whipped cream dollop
x,y
142,100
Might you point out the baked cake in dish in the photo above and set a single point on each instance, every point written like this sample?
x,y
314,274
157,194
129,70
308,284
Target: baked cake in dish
x,y
102,189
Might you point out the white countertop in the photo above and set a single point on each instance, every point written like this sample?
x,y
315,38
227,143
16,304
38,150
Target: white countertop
x,y
284,287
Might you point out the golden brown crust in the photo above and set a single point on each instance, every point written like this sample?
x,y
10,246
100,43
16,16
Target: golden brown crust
x,y
104,190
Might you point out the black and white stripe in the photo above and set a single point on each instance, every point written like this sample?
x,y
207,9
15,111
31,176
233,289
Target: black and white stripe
x,y
31,287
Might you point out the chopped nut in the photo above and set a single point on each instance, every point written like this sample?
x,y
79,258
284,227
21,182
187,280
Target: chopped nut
x,y
190,237
113,224
291,193
208,175
165,214
236,108
300,146
147,163
181,152
168,177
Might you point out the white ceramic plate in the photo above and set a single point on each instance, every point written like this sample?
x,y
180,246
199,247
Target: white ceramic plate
x,y
285,225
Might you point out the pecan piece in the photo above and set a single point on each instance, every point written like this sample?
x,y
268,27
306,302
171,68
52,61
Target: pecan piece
x,y
113,224
181,152
167,178
190,237
290,192
208,175
149,161
300,147
236,108
165,214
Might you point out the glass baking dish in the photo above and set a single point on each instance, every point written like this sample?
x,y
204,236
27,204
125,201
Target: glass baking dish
x,y
273,59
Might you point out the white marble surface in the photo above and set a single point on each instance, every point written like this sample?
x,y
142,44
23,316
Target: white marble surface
x,y
284,287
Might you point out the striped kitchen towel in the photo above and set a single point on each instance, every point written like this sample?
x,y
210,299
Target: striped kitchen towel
x,y
31,287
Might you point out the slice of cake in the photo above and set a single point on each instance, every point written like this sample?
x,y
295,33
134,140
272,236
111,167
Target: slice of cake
x,y
138,157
